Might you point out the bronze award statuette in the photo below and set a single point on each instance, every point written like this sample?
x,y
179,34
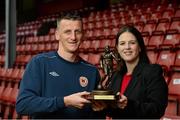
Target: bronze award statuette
x,y
106,62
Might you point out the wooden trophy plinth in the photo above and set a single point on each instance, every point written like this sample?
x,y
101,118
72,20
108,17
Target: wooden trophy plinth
x,y
102,95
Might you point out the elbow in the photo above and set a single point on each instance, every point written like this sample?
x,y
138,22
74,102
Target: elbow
x,y
19,109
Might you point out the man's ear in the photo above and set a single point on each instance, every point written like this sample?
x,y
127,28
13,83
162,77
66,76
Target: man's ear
x,y
57,34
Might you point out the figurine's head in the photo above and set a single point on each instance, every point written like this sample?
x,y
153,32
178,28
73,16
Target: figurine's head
x,y
107,49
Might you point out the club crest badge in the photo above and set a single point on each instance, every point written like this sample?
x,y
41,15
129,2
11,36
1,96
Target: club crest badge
x,y
83,81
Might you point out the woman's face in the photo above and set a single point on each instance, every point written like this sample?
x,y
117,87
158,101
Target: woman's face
x,y
128,47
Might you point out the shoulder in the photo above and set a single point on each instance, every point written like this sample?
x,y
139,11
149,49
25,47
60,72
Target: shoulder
x,y
90,66
87,64
48,55
43,57
153,68
153,73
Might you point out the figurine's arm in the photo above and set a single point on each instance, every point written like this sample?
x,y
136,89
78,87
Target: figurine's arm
x,y
114,56
101,62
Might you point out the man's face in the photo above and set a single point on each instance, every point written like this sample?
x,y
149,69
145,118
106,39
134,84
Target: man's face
x,y
69,33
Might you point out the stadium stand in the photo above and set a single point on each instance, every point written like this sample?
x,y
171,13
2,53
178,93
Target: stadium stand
x,y
157,20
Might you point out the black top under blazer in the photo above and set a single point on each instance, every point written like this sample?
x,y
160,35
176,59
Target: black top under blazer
x,y
147,93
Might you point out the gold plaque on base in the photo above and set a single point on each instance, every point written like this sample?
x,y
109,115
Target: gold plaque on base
x,y
102,95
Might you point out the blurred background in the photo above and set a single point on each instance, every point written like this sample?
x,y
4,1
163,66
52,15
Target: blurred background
x,y
27,28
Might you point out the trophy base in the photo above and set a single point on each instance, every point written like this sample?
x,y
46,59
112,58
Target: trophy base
x,y
102,95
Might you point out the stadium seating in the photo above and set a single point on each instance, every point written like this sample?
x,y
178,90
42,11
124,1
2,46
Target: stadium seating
x,y
163,25
174,94
94,59
170,40
155,40
157,20
139,26
149,27
152,55
177,13
166,59
175,25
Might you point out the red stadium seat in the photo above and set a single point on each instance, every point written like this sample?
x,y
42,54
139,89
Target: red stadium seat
x,y
175,25
54,46
94,46
29,40
14,115
170,40
113,15
5,97
106,32
107,23
105,16
98,24
84,56
35,39
52,38
91,25
98,16
94,59
1,104
103,43
149,27
41,39
155,40
2,60
20,74
85,20
14,75
27,49
34,49
160,8
98,34
47,39
146,38
140,26
115,23
52,31
177,13
89,34
168,14
144,17
174,93
177,59
166,59
41,48
163,26
85,46
113,33
134,19
152,56
8,75
48,47
170,117
22,60
156,16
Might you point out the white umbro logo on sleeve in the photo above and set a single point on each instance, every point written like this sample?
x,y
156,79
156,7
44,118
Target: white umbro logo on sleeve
x,y
54,74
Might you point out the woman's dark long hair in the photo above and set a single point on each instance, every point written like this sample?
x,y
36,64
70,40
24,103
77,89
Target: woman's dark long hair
x,y
143,58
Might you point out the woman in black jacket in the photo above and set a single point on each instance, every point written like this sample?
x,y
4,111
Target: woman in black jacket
x,y
143,92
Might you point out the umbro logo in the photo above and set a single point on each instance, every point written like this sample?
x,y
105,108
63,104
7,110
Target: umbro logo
x,y
54,74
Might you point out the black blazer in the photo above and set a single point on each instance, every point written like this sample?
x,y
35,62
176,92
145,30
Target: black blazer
x,y
147,93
